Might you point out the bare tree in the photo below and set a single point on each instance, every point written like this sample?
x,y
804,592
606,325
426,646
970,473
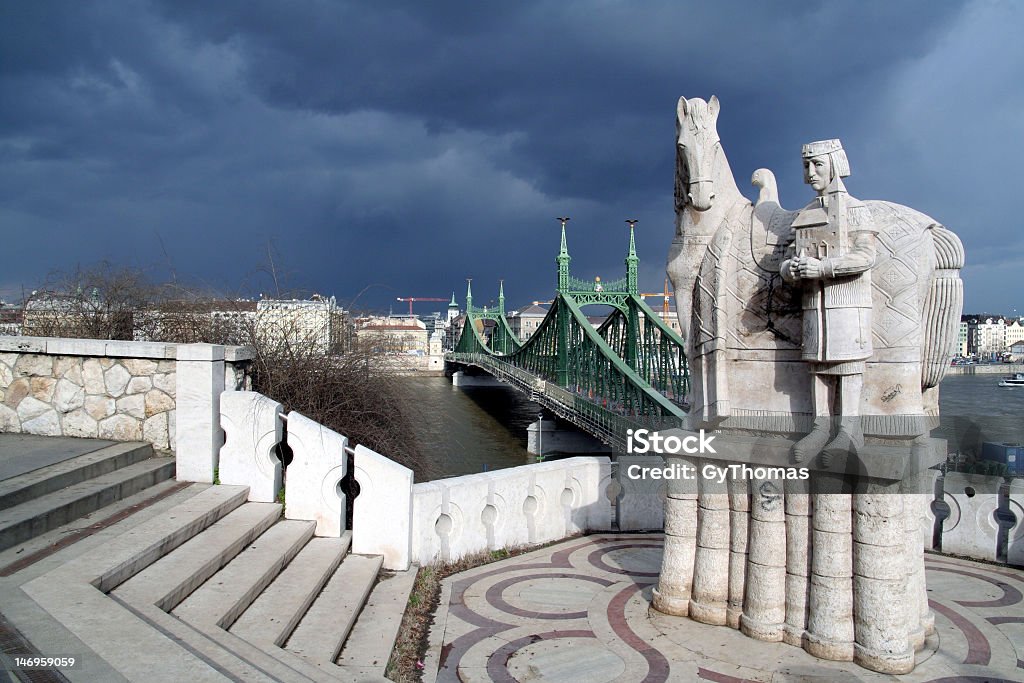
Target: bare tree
x,y
356,393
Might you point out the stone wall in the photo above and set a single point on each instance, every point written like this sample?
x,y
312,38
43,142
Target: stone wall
x,y
118,390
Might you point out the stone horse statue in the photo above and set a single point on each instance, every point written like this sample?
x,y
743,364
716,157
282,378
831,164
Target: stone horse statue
x,y
743,554
740,319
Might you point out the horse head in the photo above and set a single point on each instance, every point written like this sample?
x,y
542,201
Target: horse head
x,y
697,145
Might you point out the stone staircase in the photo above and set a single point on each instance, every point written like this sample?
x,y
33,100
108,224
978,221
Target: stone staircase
x,y
43,499
189,582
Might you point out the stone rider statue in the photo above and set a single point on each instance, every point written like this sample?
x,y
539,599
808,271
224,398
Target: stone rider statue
x,y
830,260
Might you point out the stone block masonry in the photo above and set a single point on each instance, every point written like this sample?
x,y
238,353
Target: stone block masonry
x,y
95,388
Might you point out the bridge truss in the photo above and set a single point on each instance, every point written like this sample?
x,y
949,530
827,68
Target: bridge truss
x,y
630,372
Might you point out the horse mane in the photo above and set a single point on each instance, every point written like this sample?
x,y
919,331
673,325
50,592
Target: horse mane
x,y
698,114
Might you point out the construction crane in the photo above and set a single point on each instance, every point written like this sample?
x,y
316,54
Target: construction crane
x,y
666,294
412,299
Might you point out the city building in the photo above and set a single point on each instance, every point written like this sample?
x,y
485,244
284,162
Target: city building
x,y
1014,331
315,324
962,345
10,319
525,321
394,335
52,314
1016,350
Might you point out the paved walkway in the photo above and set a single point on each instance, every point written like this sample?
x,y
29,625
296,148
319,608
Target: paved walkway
x,y
579,611
21,453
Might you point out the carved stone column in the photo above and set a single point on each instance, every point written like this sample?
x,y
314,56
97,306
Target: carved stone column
x,y
675,584
830,596
764,607
798,559
739,523
880,584
711,562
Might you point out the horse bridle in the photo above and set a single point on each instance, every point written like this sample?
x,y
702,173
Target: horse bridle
x,y
690,180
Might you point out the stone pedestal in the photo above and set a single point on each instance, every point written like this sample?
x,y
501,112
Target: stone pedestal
x,y
797,560
199,384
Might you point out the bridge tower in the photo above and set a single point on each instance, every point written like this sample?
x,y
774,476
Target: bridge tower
x,y
632,261
632,312
563,258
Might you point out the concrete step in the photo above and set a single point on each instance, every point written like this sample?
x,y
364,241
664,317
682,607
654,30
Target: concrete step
x,y
77,536
172,578
230,591
322,631
39,515
274,614
109,634
25,487
371,640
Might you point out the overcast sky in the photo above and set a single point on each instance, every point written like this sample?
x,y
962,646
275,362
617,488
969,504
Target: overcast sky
x,y
410,145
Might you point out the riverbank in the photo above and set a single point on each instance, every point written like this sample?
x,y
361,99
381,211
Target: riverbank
x,y
986,369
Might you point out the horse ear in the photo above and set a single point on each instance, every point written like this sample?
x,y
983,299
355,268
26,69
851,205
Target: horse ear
x,y
713,107
681,108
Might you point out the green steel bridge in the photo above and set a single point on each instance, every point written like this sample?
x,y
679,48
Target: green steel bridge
x,y
628,373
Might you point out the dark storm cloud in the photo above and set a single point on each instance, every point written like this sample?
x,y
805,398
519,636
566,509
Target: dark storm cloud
x,y
416,144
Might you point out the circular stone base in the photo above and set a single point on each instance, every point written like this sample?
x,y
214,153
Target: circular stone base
x,y
917,639
758,630
884,662
793,636
676,607
836,651
928,623
708,614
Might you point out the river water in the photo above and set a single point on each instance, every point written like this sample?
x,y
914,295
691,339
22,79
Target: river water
x,y
474,429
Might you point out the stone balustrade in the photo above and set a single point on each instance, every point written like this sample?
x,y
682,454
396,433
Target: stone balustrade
x,y
314,476
519,506
118,390
382,513
1015,535
971,528
764,579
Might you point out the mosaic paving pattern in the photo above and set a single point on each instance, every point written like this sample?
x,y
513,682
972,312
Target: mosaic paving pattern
x,y
579,611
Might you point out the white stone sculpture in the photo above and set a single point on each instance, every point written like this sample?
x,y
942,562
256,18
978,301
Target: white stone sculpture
x,y
815,335
831,255
252,429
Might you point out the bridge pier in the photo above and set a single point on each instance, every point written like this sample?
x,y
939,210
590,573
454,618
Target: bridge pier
x,y
462,379
551,436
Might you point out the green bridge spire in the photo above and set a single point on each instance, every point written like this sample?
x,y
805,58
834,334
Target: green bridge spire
x,y
469,294
563,260
501,297
632,261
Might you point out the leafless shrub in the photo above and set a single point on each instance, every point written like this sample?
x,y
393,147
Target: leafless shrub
x,y
313,368
94,303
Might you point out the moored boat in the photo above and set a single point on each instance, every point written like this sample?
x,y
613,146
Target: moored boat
x,y
1014,380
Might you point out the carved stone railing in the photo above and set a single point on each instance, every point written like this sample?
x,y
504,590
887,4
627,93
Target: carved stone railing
x,y
448,519
519,506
